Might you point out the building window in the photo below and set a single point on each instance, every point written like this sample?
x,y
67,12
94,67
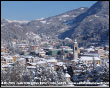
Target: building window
x,y
75,48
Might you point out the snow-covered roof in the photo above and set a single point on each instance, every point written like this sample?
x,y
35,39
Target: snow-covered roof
x,y
31,67
52,60
75,60
20,59
60,63
84,58
6,65
41,62
67,75
42,52
8,57
28,56
91,54
89,49
17,55
33,63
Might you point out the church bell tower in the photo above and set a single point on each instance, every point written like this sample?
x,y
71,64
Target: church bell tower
x,y
75,49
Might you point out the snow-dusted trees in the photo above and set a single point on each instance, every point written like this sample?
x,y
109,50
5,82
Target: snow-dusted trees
x,y
17,72
87,73
13,74
105,74
42,75
49,76
5,75
28,76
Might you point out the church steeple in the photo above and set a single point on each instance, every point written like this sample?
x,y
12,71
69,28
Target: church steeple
x,y
75,49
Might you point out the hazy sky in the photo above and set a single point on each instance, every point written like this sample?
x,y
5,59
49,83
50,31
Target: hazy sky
x,y
30,10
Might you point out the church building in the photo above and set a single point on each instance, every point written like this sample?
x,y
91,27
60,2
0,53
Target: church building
x,y
75,50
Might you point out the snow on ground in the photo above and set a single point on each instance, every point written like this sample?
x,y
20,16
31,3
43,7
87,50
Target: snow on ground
x,y
96,16
2,25
73,16
17,26
91,20
37,26
60,18
49,23
65,15
82,8
17,21
40,18
43,22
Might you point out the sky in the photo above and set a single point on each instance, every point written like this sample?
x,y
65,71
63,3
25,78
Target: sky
x,y
31,10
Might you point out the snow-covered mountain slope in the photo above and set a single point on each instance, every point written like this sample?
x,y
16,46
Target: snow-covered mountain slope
x,y
52,26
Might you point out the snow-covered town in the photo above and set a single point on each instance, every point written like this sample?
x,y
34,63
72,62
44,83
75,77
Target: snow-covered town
x,y
55,44
52,61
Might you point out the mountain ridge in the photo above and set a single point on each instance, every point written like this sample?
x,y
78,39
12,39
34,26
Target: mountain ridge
x,y
90,24
55,25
